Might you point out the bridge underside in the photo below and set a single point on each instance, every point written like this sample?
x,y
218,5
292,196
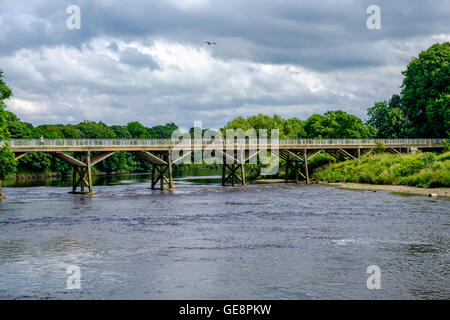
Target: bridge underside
x,y
233,171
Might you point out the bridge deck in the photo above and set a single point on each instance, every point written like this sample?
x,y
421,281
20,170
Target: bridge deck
x,y
61,145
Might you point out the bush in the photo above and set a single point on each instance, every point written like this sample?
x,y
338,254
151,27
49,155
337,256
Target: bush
x,y
446,144
420,170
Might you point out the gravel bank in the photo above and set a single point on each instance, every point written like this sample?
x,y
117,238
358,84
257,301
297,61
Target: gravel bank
x,y
439,192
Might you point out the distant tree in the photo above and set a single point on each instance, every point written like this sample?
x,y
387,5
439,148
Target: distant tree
x,y
388,118
121,132
162,132
137,130
426,93
294,128
50,131
18,129
7,159
314,126
71,132
290,128
94,130
337,125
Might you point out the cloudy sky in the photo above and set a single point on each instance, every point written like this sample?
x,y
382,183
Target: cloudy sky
x,y
146,60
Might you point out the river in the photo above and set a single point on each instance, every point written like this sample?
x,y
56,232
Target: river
x,y
204,241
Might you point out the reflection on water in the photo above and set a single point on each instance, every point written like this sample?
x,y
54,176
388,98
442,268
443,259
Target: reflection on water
x,y
203,241
200,174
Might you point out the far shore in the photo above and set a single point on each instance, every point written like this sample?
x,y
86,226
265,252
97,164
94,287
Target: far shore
x,y
438,192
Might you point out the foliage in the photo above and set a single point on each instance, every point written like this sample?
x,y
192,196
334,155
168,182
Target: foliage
x,y
446,144
420,170
388,118
337,125
7,159
330,125
426,93
137,130
380,148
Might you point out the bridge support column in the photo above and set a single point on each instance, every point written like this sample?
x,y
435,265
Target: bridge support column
x,y
82,176
160,165
233,175
305,157
224,170
293,160
230,170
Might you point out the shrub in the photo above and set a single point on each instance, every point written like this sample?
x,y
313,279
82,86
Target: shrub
x,y
421,170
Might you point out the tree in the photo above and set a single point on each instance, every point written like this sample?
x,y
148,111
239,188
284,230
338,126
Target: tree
x,y
388,118
426,93
17,128
337,125
288,128
294,128
137,130
162,132
7,158
94,130
121,132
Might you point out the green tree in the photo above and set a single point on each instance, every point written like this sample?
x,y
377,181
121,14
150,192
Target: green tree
x,y
426,93
337,125
162,132
294,128
17,128
94,130
388,118
7,158
137,130
121,132
288,128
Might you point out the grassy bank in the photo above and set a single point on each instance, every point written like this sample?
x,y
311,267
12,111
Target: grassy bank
x,y
424,170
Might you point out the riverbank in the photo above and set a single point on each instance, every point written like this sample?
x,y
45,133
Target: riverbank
x,y
439,192
423,170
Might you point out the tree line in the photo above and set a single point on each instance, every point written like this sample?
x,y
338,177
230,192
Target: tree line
x,y
420,110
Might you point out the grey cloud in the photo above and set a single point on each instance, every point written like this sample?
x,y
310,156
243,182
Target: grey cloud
x,y
113,46
134,58
289,31
358,66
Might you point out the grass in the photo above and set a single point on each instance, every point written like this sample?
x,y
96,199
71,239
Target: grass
x,y
425,170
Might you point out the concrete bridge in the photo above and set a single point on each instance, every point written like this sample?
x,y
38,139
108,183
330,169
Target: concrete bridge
x,y
158,152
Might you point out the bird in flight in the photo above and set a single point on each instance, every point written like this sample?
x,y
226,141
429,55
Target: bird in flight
x,y
209,43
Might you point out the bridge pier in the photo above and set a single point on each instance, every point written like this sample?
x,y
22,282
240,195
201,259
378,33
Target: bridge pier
x,y
82,176
160,165
233,167
233,175
305,157
296,160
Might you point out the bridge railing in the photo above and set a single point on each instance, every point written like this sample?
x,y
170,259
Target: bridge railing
x,y
167,142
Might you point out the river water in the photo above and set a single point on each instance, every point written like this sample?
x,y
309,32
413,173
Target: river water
x,y
203,241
